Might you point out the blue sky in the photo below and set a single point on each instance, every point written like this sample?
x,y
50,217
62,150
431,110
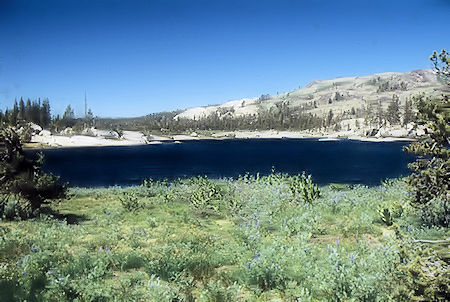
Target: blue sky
x,y
139,57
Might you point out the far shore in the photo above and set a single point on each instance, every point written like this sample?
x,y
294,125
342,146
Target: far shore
x,y
134,138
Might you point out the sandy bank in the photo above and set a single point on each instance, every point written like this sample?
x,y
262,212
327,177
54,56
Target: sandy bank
x,y
131,138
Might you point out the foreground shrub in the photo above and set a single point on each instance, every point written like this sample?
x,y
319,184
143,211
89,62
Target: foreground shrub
x,y
14,206
23,177
210,196
268,268
303,188
197,257
217,292
131,202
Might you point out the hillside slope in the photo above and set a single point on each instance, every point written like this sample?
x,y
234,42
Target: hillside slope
x,y
339,95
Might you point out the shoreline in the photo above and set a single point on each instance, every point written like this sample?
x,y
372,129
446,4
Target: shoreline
x,y
84,141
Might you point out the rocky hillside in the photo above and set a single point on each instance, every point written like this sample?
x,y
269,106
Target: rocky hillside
x,y
340,95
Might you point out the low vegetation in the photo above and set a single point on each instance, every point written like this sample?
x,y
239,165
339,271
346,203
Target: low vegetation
x,y
251,239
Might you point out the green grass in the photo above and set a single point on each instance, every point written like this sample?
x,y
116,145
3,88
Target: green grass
x,y
250,239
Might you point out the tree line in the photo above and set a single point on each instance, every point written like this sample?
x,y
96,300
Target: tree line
x,y
281,117
35,111
39,113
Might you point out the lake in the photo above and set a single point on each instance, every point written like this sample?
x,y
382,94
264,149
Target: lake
x,y
342,161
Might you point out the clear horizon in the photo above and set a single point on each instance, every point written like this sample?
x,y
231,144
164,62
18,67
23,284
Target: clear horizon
x,y
139,57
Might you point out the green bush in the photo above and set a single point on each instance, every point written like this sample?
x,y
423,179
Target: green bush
x,y
302,188
14,206
197,257
386,215
131,202
268,268
207,195
217,292
23,177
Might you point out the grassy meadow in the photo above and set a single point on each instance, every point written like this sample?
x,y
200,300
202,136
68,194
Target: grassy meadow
x,y
271,238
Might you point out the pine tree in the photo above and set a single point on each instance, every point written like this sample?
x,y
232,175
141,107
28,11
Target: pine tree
x,y
330,118
35,111
430,181
90,118
68,119
393,111
45,116
28,111
408,114
441,64
368,114
21,109
380,115
14,113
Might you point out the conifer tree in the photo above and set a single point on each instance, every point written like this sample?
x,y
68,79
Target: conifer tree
x,y
45,113
28,110
14,113
380,115
393,111
21,109
68,118
430,180
408,114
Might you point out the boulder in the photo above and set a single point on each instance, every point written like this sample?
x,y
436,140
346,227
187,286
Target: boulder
x,y
35,128
134,136
45,133
67,131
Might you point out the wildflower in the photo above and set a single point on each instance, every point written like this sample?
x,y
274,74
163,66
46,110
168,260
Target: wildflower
x,y
335,198
33,249
337,242
352,257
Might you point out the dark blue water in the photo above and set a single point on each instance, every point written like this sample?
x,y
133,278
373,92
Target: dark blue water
x,y
342,161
